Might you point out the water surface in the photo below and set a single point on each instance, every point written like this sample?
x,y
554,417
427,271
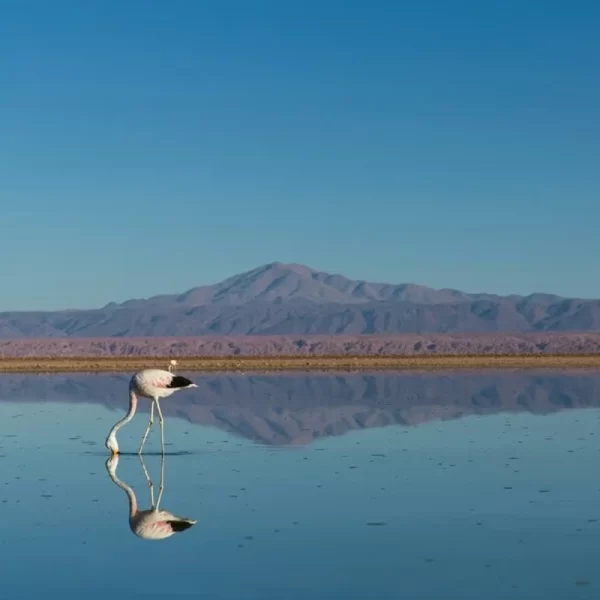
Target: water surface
x,y
456,485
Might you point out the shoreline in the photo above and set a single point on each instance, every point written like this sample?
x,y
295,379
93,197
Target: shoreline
x,y
242,364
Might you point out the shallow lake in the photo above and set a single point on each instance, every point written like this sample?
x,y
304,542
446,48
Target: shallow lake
x,y
475,486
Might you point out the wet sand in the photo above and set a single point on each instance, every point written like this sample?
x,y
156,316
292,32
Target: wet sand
x,y
297,363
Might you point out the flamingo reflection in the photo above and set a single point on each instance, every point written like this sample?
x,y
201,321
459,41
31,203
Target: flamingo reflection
x,y
154,523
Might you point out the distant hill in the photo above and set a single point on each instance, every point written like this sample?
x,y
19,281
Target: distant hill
x,y
287,299
317,345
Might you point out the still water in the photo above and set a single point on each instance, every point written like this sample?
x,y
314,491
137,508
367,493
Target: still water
x,y
436,486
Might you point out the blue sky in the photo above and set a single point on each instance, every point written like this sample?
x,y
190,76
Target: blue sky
x,y
148,147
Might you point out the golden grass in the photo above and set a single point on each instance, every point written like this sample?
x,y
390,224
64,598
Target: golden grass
x,y
297,363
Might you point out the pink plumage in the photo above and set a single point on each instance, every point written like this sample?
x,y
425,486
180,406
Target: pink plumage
x,y
156,383
153,384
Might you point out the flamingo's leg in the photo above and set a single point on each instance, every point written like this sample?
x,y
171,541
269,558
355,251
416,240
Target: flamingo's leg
x,y
162,480
147,428
150,484
162,426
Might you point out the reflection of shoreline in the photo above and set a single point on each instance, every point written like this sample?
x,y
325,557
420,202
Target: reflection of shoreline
x,y
296,409
301,363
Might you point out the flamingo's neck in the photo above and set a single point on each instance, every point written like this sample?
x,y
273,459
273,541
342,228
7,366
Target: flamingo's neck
x,y
133,507
133,401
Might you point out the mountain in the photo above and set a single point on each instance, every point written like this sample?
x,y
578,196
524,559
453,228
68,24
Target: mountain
x,y
279,298
278,283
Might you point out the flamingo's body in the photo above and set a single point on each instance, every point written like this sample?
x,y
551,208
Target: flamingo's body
x,y
151,524
156,383
158,524
153,384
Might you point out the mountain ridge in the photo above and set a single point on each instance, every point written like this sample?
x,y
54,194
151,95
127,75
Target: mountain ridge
x,y
288,281
291,299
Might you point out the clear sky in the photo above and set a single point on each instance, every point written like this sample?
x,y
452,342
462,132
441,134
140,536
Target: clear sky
x,y
148,147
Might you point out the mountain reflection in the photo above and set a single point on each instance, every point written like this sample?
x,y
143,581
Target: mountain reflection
x,y
296,409
154,523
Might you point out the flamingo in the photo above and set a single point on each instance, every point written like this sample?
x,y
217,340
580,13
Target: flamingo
x,y
153,384
151,524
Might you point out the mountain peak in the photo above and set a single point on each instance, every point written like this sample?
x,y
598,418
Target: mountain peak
x,y
294,267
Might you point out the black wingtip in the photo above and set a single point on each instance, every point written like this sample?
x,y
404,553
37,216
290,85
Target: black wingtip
x,y
178,526
179,382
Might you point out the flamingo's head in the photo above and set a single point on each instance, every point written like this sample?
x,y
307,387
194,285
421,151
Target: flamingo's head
x,y
112,444
111,464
